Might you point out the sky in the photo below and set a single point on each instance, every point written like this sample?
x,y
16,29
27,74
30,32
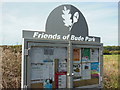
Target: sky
x,y
101,17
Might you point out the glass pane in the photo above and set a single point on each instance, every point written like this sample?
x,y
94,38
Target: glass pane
x,y
76,66
48,67
89,71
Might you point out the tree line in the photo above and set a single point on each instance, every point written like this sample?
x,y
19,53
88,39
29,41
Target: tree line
x,y
108,50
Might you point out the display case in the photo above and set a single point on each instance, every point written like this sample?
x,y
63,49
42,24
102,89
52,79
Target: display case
x,y
64,55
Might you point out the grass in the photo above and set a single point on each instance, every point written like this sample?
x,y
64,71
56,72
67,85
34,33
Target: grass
x,y
111,71
11,67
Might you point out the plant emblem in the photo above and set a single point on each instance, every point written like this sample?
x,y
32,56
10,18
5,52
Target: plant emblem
x,y
68,22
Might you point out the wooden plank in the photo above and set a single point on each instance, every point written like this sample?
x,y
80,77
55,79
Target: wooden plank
x,y
86,82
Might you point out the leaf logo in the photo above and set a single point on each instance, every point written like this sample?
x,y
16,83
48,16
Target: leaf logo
x,y
67,18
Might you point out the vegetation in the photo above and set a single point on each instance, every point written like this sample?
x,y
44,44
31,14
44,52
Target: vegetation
x,y
112,48
111,71
109,50
11,66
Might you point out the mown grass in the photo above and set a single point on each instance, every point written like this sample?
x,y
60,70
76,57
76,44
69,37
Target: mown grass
x,y
110,71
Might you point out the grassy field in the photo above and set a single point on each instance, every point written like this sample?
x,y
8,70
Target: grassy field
x,y
111,71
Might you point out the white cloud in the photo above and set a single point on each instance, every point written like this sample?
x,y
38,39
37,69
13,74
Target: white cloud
x,y
101,19
13,26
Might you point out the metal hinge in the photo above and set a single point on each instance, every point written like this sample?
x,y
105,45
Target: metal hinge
x,y
101,78
25,87
101,51
68,74
27,51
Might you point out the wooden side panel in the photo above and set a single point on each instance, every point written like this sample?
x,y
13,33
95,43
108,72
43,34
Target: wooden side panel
x,y
37,85
40,85
86,82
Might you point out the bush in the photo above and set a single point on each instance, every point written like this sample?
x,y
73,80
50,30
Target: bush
x,y
106,52
114,52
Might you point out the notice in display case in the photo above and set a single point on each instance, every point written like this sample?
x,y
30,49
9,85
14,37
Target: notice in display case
x,y
76,53
85,52
42,71
95,70
48,51
36,71
62,65
76,64
86,71
77,71
62,81
94,55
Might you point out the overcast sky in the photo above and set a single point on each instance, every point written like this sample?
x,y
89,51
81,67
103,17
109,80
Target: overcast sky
x,y
101,17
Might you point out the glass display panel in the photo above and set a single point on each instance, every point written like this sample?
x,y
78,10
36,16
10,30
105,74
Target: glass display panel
x,y
48,67
89,74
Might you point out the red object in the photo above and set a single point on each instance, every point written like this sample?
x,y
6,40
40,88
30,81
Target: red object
x,y
56,77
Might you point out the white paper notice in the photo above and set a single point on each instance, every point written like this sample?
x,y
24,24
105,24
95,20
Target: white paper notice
x,y
94,55
42,71
86,71
62,81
